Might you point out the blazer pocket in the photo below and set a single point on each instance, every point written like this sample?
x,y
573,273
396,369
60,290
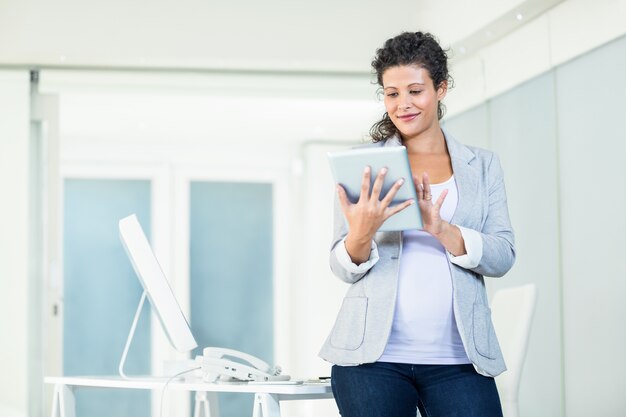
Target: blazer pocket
x,y
484,333
349,329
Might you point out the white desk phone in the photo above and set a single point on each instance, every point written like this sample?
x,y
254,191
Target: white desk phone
x,y
242,367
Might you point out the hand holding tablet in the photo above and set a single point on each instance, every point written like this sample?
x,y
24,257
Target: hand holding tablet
x,y
381,179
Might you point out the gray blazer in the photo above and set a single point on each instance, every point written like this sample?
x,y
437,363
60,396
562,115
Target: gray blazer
x,y
366,315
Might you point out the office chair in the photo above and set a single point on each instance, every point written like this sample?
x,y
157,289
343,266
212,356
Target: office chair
x,y
512,312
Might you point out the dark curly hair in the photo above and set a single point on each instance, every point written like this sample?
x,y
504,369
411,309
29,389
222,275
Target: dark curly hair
x,y
409,48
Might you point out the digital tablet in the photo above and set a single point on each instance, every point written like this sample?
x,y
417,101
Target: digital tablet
x,y
347,167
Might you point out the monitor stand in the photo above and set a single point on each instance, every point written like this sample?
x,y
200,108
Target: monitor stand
x,y
131,334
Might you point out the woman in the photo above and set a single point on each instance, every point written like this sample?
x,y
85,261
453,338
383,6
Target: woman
x,y
414,330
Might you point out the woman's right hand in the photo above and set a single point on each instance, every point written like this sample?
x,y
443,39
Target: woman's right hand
x,y
369,213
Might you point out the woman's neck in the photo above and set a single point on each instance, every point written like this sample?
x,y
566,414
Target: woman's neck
x,y
431,141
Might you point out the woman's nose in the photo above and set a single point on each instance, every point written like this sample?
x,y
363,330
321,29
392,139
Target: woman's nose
x,y
404,102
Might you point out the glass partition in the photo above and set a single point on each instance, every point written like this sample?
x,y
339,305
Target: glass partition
x,y
101,292
231,273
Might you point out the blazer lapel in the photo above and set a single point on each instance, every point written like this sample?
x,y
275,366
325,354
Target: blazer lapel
x,y
467,179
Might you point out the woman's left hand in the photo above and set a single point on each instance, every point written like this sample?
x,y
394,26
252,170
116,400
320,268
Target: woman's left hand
x,y
448,235
431,212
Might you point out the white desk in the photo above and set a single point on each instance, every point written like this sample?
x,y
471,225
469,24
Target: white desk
x,y
266,398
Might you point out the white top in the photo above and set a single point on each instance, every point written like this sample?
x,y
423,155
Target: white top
x,y
424,330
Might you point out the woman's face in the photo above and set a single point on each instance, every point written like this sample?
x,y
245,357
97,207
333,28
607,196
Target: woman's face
x,y
411,99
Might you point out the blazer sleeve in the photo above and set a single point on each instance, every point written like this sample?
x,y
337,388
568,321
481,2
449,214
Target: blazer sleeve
x,y
340,262
496,236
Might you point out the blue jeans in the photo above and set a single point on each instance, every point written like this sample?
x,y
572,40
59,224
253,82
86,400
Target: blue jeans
x,y
384,389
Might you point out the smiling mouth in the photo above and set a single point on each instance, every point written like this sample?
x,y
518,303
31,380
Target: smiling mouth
x,y
408,117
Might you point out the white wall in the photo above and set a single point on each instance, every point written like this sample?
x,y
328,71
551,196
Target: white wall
x,y
592,145
317,293
568,30
557,139
14,244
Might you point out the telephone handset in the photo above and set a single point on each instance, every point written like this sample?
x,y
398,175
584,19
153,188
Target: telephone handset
x,y
240,367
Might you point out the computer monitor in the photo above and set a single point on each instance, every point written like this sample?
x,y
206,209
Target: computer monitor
x,y
156,288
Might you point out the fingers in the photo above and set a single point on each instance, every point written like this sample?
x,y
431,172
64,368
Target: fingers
x,y
392,192
426,193
365,184
377,187
440,200
343,198
397,208
419,188
378,184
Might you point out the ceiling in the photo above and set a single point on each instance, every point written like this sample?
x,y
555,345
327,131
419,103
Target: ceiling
x,y
273,35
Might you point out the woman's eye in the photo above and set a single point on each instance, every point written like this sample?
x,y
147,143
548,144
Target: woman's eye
x,y
416,91
392,94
